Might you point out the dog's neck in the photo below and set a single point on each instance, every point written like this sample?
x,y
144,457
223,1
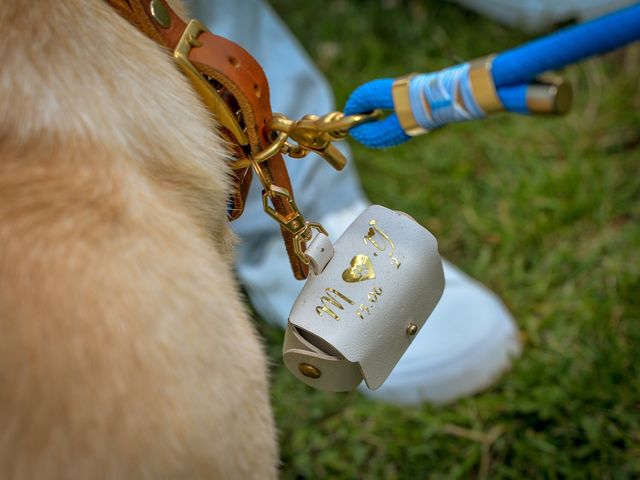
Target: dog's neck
x,y
69,70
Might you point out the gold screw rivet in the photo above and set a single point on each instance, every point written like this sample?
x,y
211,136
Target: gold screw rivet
x,y
295,224
412,329
309,370
160,13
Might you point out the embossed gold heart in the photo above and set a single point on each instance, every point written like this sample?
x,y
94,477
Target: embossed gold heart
x,y
361,269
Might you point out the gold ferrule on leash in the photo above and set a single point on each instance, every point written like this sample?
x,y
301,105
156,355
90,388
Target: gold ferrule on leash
x,y
402,106
482,86
549,95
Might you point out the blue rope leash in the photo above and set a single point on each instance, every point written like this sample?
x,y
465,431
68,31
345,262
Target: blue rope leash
x,y
439,98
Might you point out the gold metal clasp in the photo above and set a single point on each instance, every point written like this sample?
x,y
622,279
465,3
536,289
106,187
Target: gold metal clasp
x,y
313,133
294,222
203,86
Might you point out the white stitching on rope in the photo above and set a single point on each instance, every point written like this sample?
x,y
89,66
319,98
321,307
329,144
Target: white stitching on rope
x,y
434,101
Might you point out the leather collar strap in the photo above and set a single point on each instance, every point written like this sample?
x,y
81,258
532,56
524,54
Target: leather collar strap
x,y
240,81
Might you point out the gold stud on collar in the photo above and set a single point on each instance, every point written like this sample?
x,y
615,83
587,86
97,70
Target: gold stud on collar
x,y
309,370
412,329
160,13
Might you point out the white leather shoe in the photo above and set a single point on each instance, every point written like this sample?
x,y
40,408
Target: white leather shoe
x,y
536,15
466,344
468,341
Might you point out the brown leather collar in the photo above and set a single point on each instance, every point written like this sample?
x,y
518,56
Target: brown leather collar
x,y
239,79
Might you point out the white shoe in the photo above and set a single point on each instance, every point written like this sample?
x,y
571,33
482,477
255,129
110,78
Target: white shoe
x,y
536,15
466,344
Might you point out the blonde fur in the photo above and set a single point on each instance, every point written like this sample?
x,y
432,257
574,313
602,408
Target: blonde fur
x,y
125,350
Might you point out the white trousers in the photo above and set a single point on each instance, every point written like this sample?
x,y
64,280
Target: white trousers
x,y
470,336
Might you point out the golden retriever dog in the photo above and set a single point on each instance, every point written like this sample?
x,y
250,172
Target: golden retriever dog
x,y
125,348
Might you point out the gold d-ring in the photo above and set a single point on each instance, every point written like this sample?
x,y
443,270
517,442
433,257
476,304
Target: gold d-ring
x,y
275,147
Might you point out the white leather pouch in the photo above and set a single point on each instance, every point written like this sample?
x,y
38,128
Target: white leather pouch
x,y
366,298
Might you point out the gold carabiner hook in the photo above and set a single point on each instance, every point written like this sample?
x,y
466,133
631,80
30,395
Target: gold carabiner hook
x,y
316,134
312,134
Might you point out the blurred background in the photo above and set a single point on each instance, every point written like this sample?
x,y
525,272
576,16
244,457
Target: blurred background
x,y
544,211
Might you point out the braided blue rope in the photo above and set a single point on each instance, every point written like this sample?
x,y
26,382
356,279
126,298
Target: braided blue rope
x,y
368,97
511,70
514,98
522,64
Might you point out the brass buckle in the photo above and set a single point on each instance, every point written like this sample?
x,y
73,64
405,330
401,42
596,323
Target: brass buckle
x,y
207,92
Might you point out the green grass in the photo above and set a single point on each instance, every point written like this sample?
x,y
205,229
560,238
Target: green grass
x,y
546,212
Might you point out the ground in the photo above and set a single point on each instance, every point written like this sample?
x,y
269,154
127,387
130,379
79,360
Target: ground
x,y
546,212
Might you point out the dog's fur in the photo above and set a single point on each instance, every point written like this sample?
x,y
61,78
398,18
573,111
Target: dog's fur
x,y
125,350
